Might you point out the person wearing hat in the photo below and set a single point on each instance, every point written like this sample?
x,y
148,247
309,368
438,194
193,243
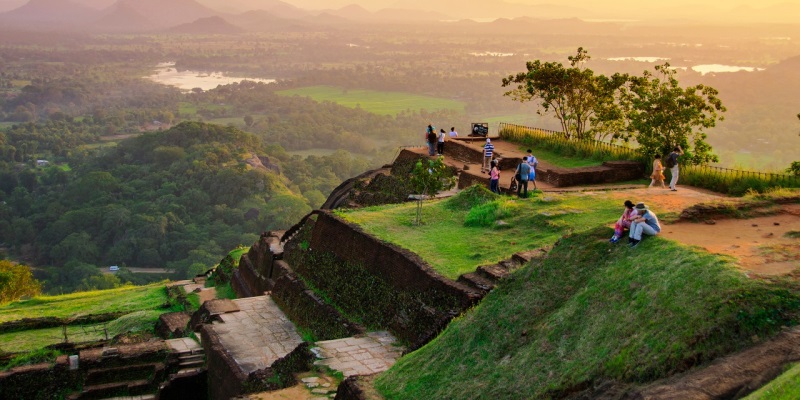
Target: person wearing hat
x,y
646,223
488,151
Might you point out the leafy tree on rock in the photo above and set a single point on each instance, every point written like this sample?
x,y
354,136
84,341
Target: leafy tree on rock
x,y
575,95
661,114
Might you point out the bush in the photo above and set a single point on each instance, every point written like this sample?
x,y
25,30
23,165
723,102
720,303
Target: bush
x,y
470,197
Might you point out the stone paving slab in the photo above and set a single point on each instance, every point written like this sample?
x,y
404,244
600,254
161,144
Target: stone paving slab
x,y
373,353
184,345
258,334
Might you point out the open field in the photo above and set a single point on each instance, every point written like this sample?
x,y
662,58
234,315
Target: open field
x,y
382,103
124,299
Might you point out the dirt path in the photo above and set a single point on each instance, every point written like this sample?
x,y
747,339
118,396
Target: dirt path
x,y
760,245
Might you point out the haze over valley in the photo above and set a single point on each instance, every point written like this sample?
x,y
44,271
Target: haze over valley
x,y
332,86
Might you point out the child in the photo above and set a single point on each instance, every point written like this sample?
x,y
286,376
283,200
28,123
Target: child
x,y
658,173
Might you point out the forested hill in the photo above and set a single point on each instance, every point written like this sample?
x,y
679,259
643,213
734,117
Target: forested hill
x,y
175,199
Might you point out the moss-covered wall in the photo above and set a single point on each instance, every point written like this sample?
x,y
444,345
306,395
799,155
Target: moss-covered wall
x,y
374,283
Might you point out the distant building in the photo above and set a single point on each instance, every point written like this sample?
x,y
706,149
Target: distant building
x,y
42,163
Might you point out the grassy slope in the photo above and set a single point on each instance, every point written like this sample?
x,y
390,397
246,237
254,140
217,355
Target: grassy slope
x,y
453,249
785,387
592,312
382,103
35,339
129,298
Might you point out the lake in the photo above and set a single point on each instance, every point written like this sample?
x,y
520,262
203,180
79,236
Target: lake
x,y
166,74
702,68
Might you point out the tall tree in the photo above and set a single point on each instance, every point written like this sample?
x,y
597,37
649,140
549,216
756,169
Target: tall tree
x,y
574,95
16,282
661,114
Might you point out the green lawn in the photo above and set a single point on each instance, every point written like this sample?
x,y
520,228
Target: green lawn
x,y
128,298
785,387
559,160
382,103
595,312
453,248
4,125
30,340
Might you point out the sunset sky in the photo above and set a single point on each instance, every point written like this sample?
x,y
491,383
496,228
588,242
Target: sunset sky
x,y
712,11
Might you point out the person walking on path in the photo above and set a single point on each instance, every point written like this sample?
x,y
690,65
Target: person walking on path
x,y
431,143
494,175
488,151
522,173
440,143
624,222
658,173
533,162
672,164
645,223
453,133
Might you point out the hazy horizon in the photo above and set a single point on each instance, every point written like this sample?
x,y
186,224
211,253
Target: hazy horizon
x,y
713,11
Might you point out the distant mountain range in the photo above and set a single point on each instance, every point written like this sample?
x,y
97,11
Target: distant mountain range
x,y
233,16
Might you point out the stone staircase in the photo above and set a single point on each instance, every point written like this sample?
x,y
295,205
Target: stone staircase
x,y
128,380
486,277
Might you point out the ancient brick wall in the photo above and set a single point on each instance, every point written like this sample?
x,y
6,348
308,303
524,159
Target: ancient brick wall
x,y
225,378
307,309
401,268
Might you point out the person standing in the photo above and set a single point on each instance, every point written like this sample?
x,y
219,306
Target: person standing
x,y
533,162
522,172
672,164
646,223
440,143
453,133
658,173
431,142
488,151
494,175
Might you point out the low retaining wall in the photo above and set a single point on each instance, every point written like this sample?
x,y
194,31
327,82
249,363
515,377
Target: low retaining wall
x,y
48,380
609,172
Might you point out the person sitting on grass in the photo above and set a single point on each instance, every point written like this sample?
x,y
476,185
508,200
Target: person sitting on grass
x,y
646,222
624,222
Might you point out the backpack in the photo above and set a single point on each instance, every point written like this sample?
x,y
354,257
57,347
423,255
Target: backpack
x,y
670,160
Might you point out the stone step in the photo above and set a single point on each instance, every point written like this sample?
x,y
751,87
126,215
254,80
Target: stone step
x,y
122,374
110,390
191,357
192,364
525,257
509,265
494,272
477,281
